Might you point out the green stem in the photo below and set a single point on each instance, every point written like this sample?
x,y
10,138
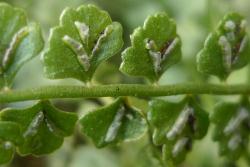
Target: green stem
x,y
51,92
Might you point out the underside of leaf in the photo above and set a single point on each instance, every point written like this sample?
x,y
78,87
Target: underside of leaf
x,y
85,37
155,47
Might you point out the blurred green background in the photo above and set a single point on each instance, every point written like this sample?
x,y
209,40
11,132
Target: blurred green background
x,y
194,18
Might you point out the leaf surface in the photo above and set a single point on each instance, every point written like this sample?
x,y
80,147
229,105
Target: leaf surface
x,y
20,41
226,49
114,123
10,136
42,126
85,38
155,47
176,126
232,127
